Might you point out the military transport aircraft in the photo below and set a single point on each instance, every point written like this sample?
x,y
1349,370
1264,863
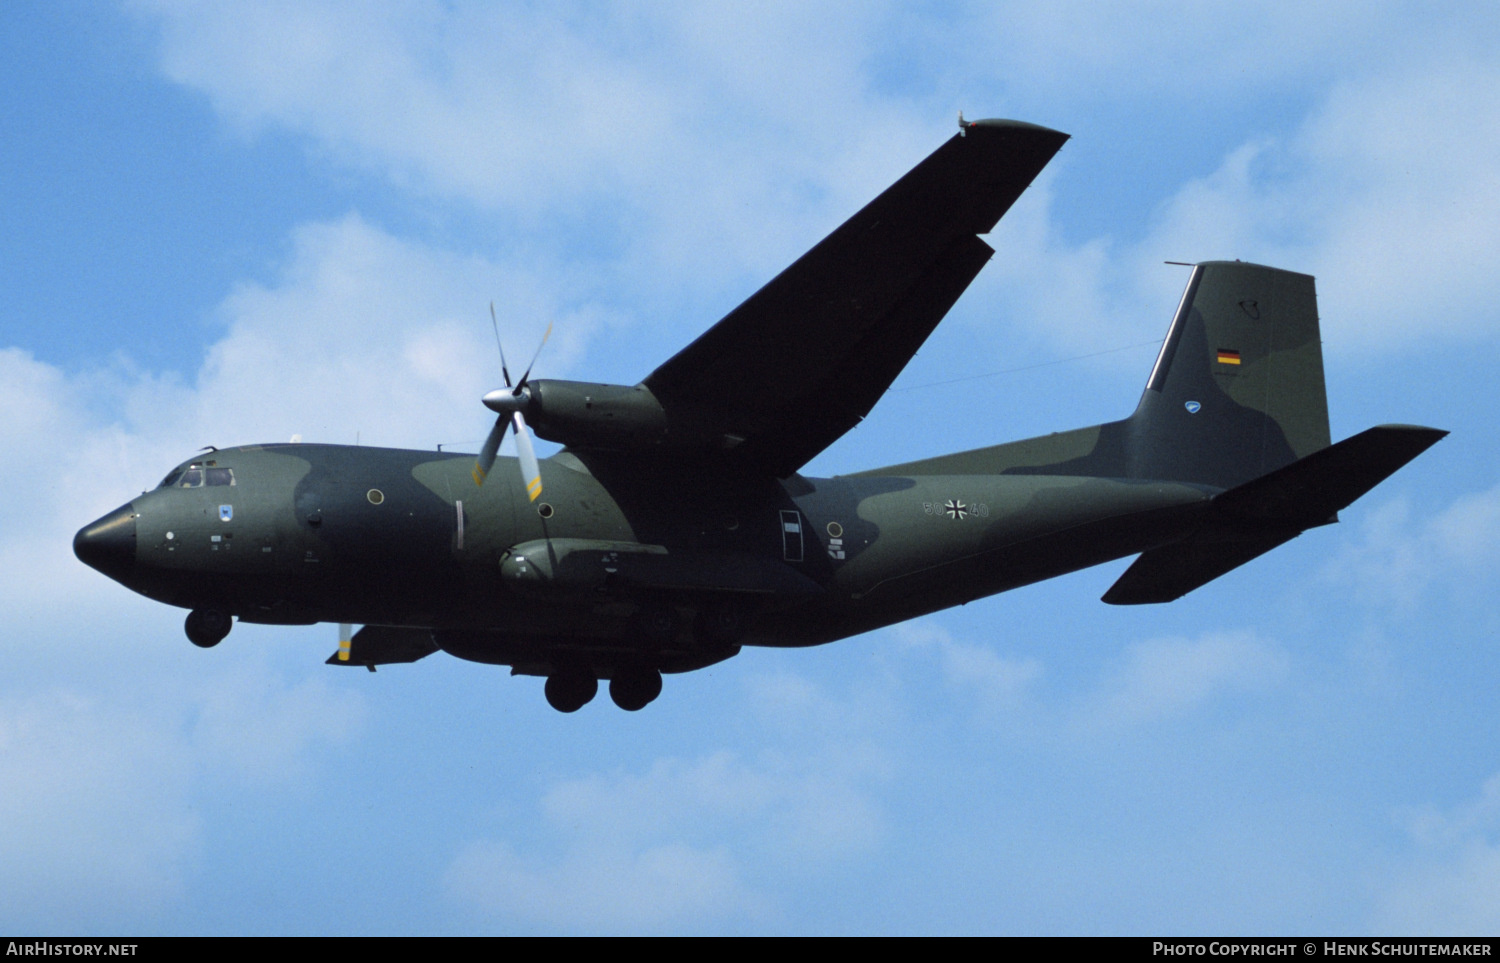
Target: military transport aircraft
x,y
673,527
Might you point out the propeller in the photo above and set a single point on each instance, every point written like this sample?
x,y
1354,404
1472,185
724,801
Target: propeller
x,y
509,402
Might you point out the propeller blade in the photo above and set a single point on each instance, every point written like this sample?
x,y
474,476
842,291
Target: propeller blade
x,y
531,472
346,634
496,325
522,383
510,402
486,459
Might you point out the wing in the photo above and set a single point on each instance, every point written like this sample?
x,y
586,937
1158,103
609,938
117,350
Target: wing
x,y
786,373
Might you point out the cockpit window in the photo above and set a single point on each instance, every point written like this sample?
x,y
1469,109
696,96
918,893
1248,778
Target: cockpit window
x,y
198,474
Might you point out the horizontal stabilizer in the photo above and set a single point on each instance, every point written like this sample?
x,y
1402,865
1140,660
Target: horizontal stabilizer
x,y
1172,571
1313,490
386,644
1255,517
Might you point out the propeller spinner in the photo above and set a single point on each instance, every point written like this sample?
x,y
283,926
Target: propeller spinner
x,y
509,403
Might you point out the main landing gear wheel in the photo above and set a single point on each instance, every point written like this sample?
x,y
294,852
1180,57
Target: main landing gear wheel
x,y
570,691
635,688
206,628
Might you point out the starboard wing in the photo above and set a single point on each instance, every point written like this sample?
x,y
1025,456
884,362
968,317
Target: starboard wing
x,y
806,357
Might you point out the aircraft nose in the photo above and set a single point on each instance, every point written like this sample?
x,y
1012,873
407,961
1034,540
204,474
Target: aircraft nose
x,y
108,543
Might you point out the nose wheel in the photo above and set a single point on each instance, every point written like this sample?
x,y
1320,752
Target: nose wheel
x,y
206,628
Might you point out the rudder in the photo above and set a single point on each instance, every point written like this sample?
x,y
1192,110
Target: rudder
x,y
1237,390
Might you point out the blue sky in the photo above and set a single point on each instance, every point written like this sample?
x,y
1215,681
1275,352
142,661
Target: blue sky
x,y
235,224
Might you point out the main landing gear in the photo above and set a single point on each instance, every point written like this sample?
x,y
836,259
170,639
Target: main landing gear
x,y
206,628
634,681
571,690
632,688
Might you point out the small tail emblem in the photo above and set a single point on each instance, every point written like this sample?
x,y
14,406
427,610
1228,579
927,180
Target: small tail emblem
x,y
1192,407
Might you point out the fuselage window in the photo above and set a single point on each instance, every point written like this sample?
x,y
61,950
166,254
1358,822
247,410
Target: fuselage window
x,y
219,476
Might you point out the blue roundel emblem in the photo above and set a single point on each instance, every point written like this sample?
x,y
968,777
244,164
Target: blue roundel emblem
x,y
1192,407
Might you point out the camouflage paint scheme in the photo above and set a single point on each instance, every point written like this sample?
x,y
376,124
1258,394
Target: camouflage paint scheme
x,y
1226,456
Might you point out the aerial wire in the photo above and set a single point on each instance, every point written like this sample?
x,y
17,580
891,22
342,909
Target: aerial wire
x,y
1030,367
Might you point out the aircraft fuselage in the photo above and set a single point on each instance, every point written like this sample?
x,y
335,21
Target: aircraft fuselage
x,y
298,533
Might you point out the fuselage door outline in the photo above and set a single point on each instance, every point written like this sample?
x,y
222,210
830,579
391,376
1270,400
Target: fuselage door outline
x,y
791,535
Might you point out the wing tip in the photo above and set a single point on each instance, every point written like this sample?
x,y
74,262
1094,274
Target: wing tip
x,y
1005,122
1003,126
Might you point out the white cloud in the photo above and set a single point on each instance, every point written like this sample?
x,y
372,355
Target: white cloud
x,y
1451,886
1397,560
997,683
260,730
1163,678
367,333
611,888
709,148
95,817
1159,679
690,140
1180,50
482,102
1388,193
99,818
361,336
688,842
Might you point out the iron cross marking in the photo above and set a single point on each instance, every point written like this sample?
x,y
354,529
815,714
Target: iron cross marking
x,y
956,509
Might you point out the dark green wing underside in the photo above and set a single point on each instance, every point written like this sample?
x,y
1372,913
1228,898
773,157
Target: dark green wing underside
x,y
806,357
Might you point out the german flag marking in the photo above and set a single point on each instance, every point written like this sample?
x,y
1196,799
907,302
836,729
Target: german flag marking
x,y
1228,357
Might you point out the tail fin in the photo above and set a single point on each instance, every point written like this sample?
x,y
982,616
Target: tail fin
x,y
1237,390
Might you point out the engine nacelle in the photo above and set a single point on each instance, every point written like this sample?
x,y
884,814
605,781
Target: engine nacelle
x,y
588,415
565,565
